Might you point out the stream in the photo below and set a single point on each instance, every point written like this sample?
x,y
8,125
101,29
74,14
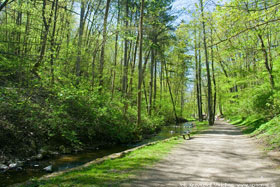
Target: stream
x,y
34,169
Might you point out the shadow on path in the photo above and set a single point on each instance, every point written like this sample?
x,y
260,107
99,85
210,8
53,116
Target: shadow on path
x,y
219,155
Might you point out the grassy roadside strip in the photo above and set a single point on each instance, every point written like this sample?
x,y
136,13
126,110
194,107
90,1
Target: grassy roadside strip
x,y
199,127
113,171
267,132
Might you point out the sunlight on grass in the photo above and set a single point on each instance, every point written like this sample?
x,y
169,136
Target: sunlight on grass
x,y
113,171
200,126
268,132
248,125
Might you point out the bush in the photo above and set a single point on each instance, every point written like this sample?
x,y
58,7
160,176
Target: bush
x,y
21,124
72,117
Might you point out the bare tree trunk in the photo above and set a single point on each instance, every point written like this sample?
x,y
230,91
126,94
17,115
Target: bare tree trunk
x,y
125,64
47,24
93,64
18,46
161,80
155,80
116,50
139,100
27,27
151,82
182,101
268,66
198,80
146,96
80,39
18,33
133,66
220,106
213,76
52,41
210,111
102,55
170,92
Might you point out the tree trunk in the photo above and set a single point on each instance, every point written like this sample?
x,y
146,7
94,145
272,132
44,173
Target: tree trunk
x,y
133,66
198,80
151,82
155,80
80,40
268,66
213,76
93,65
170,92
44,38
209,95
52,42
139,100
146,96
125,64
182,101
161,80
102,54
116,51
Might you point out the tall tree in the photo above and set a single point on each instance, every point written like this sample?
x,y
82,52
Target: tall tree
x,y
47,24
52,42
209,87
103,45
198,75
125,65
140,76
116,49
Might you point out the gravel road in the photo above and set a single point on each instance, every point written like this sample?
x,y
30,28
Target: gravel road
x,y
220,157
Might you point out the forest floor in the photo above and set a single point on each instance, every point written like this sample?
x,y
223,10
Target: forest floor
x,y
220,156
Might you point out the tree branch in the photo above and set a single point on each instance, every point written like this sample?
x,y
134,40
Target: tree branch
x,y
245,30
5,3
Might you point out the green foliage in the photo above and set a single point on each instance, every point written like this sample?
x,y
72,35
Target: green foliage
x,y
257,101
53,91
22,122
263,101
67,116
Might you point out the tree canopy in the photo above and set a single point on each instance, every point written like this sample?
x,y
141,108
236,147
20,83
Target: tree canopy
x,y
78,72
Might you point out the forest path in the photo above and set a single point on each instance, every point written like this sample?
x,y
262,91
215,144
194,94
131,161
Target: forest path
x,y
220,156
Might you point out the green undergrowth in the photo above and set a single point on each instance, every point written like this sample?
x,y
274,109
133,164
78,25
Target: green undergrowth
x,y
113,172
117,171
268,132
250,124
66,119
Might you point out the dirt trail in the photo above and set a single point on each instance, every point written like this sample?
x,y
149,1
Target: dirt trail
x,y
221,156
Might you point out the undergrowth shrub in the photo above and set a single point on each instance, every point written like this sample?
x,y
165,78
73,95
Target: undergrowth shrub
x,y
71,117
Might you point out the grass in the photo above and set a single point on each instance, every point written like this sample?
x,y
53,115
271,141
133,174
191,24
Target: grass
x,y
117,171
113,172
249,125
200,126
267,132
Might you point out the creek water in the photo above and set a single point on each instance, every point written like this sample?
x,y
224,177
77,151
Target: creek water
x,y
62,162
